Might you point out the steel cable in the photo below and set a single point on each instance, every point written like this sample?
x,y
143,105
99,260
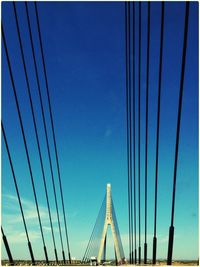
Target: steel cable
x,y
53,130
24,141
7,247
127,43
139,85
93,231
18,195
171,229
35,128
134,135
158,130
45,129
146,135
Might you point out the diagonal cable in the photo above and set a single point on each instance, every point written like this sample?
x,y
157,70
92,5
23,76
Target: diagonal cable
x,y
35,128
158,130
134,136
127,43
18,194
139,89
24,141
53,130
45,129
7,247
171,229
146,134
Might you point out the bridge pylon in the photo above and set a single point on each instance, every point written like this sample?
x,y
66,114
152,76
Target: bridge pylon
x,y
110,219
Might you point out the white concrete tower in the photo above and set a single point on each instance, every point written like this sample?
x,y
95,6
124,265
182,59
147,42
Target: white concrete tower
x,y
109,221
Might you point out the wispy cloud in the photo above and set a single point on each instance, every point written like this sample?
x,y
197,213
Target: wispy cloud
x,y
73,214
12,219
11,210
19,237
108,132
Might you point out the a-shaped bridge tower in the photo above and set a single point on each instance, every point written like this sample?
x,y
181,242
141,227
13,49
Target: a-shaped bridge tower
x,y
97,244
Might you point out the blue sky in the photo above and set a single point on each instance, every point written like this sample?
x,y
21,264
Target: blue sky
x,y
84,49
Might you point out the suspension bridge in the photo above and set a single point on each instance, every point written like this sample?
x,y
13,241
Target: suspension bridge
x,y
97,244
95,250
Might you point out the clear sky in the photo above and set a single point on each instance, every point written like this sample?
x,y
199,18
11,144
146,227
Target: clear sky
x,y
84,47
